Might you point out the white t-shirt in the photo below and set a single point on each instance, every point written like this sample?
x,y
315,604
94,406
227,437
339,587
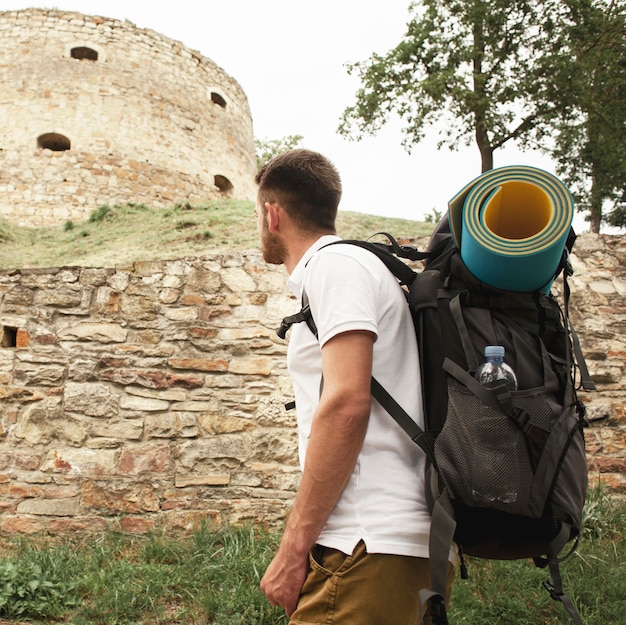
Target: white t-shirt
x,y
384,502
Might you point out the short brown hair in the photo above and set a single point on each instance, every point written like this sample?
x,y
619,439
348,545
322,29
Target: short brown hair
x,y
306,184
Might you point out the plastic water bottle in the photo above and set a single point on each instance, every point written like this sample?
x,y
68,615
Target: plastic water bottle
x,y
497,449
494,370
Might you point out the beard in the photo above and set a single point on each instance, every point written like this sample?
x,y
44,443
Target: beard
x,y
274,251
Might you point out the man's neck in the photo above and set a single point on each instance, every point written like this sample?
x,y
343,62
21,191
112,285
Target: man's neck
x,y
299,247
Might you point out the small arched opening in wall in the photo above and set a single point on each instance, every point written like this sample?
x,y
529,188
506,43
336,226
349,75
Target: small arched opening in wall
x,y
84,53
8,337
218,99
224,185
82,50
53,141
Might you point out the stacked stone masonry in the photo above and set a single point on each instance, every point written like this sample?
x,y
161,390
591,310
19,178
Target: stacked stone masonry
x,y
145,121
152,395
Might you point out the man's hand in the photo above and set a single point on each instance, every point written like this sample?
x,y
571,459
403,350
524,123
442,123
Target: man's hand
x,y
283,580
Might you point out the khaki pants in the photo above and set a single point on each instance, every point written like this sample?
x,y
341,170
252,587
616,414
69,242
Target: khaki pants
x,y
363,589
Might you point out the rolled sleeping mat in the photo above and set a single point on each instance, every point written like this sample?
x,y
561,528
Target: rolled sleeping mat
x,y
511,225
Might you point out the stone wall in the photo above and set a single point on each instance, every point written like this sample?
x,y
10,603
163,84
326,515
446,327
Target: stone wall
x,y
147,121
598,312
152,395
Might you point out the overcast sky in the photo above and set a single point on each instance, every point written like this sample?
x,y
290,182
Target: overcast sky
x,y
289,57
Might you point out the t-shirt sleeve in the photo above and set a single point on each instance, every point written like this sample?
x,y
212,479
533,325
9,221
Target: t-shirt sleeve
x,y
342,293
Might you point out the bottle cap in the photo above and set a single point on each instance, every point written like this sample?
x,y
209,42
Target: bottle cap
x,y
494,351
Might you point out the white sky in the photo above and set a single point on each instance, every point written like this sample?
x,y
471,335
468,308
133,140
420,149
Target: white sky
x,y
289,57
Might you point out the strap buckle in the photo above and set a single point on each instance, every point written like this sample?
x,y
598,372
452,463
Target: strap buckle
x,y
549,586
287,322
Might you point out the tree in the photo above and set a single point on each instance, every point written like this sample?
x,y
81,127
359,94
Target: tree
x,y
266,149
589,86
469,63
546,74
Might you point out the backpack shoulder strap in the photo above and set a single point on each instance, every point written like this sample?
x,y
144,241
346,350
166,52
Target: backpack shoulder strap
x,y
405,275
390,255
303,315
585,378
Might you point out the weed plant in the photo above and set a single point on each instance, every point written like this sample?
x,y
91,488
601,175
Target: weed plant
x,y
101,213
212,578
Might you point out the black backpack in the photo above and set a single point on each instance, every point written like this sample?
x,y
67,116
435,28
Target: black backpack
x,y
507,473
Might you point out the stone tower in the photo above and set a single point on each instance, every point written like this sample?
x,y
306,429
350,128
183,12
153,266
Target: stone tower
x,y
97,111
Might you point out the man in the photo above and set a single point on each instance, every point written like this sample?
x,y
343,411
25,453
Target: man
x,y
355,547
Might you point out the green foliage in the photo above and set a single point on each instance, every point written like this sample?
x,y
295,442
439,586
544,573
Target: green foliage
x,y
100,214
617,217
434,217
185,223
212,576
548,75
29,590
68,225
6,231
467,66
603,517
231,564
267,149
586,62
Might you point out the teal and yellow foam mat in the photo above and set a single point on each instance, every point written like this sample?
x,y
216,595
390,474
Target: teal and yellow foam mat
x,y
511,225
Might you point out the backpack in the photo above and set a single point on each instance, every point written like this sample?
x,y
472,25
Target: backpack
x,y
506,471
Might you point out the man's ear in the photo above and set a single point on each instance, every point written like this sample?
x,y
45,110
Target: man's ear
x,y
273,216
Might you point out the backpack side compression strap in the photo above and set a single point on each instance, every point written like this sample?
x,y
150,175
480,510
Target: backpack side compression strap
x,y
442,527
555,585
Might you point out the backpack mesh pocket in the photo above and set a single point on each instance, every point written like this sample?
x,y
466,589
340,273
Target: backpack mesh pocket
x,y
482,454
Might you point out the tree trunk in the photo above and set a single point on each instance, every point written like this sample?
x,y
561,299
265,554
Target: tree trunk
x,y
595,211
594,221
481,101
486,154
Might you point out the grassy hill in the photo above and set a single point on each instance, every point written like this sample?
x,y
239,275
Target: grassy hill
x,y
122,234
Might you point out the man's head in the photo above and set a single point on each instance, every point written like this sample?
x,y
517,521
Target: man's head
x,y
306,185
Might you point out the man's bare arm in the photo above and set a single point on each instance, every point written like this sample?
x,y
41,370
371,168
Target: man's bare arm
x,y
337,434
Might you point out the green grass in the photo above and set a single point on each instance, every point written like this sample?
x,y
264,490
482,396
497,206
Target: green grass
x,y
212,577
118,235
